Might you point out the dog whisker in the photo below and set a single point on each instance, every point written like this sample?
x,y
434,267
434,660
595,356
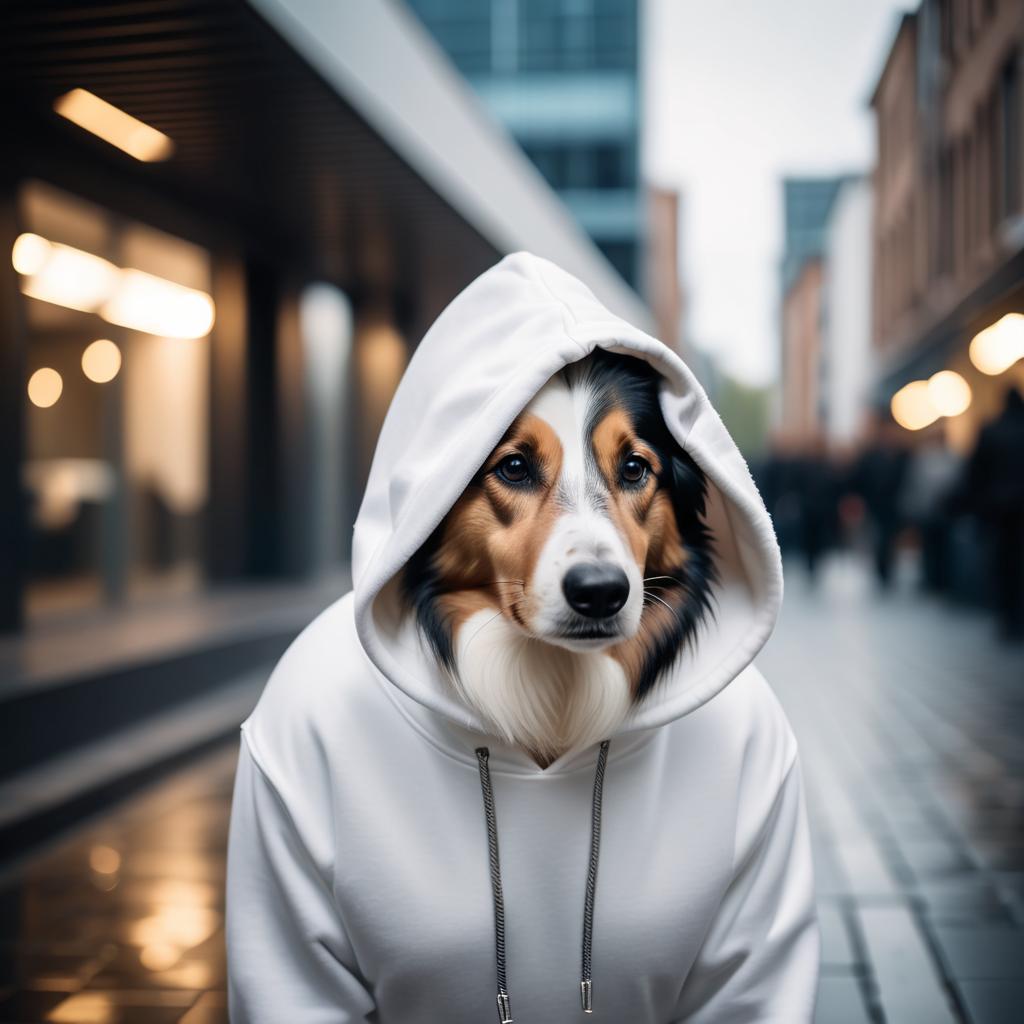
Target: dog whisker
x,y
655,597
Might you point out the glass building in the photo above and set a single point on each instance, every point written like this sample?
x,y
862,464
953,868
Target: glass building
x,y
562,76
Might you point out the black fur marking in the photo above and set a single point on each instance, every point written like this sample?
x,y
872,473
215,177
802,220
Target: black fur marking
x,y
422,588
633,384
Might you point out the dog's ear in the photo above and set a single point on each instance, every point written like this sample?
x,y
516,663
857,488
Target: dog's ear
x,y
421,591
688,487
687,483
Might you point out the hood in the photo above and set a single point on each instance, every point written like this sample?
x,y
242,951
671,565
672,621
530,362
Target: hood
x,y
486,356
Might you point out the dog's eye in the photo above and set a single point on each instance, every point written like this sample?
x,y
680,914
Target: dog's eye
x,y
513,469
635,470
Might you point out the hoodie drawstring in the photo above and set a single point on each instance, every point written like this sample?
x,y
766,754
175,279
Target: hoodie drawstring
x,y
504,1005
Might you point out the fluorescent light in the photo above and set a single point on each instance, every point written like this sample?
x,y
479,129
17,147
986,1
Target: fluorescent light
x,y
69,277
995,349
45,387
151,304
30,253
912,407
61,274
101,361
113,125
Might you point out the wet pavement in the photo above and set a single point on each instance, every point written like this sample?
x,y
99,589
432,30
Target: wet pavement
x,y
123,922
911,725
910,720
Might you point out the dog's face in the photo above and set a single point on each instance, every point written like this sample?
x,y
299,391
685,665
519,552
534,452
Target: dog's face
x,y
583,528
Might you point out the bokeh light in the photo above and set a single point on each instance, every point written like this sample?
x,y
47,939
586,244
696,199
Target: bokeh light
x,y
995,349
949,393
912,406
101,361
45,387
104,859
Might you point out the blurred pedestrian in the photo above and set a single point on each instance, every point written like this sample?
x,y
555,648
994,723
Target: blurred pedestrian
x,y
818,495
879,478
933,473
995,490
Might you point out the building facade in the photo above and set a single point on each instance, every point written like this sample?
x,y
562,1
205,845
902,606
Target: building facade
x,y
562,77
662,282
846,366
949,212
807,204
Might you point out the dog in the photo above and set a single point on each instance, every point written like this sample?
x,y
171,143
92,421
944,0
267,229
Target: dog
x,y
575,567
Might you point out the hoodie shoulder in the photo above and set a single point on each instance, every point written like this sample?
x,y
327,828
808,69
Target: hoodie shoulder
x,y
764,750
319,701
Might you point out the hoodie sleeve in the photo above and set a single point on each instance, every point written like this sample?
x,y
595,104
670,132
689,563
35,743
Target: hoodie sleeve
x,y
288,955
759,959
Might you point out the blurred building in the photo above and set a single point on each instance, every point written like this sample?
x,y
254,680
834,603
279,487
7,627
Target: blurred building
x,y
845,366
662,283
227,224
562,76
807,204
949,210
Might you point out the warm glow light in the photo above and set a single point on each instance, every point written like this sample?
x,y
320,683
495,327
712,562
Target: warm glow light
x,y
101,360
949,393
29,254
65,276
69,277
177,926
113,125
159,956
912,406
151,304
86,1008
104,859
44,387
995,349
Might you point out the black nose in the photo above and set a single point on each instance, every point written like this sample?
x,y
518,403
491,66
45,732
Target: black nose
x,y
596,590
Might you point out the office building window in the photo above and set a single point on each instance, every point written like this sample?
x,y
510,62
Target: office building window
x,y
622,256
604,165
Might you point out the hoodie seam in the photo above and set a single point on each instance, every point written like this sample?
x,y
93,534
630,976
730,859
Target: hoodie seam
x,y
258,761
327,884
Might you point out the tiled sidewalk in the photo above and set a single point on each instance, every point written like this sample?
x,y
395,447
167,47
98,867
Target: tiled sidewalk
x,y
911,724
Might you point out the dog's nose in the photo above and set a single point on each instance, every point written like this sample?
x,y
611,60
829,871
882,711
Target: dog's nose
x,y
595,589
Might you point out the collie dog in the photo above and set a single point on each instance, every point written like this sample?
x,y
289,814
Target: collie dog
x,y
575,566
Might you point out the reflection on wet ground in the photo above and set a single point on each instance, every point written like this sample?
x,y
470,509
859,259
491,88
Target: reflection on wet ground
x,y
123,923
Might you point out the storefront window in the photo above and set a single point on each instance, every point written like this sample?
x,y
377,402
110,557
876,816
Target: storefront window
x,y
118,317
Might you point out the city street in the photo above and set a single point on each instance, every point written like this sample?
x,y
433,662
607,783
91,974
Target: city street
x,y
905,711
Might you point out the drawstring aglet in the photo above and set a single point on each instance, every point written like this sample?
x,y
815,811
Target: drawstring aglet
x,y
504,1008
585,998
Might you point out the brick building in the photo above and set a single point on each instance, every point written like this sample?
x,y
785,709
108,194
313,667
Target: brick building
x,y
949,184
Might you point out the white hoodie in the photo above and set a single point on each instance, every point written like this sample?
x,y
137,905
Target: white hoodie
x,y
359,883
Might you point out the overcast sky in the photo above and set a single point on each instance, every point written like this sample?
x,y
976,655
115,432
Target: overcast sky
x,y
737,94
